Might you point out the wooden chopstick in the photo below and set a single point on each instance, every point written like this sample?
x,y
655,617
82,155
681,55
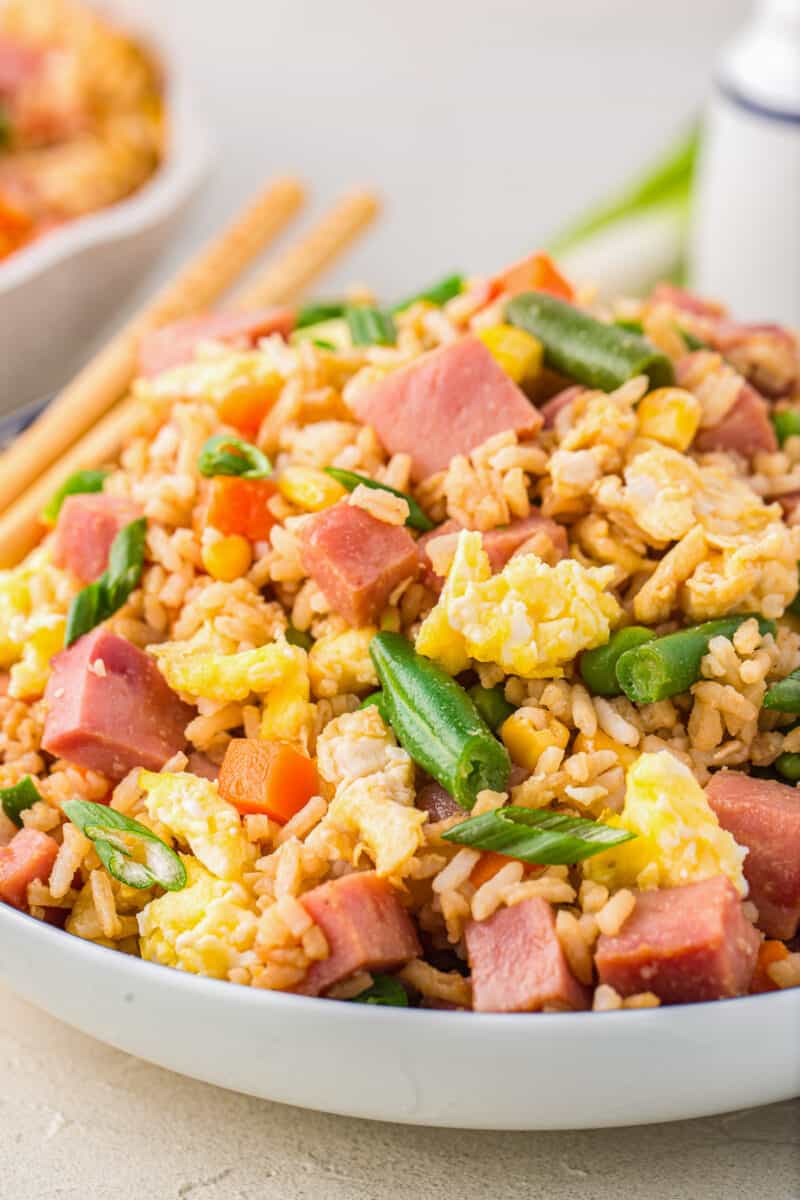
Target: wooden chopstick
x,y
20,526
288,277
104,380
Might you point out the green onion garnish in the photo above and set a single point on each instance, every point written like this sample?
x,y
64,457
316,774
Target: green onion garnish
x,y
416,519
129,851
438,293
317,311
370,326
224,454
101,599
80,482
786,423
323,344
14,800
385,990
536,836
298,637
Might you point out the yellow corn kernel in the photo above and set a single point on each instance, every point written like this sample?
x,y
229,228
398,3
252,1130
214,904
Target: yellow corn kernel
x,y
309,489
517,352
227,558
601,741
525,743
669,415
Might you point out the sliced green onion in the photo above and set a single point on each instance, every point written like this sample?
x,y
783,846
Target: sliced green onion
x,y
668,665
331,335
370,326
786,423
122,844
692,341
223,454
537,836
77,484
785,694
100,600
437,722
599,667
323,344
491,703
317,311
298,637
592,352
385,990
438,293
416,519
14,800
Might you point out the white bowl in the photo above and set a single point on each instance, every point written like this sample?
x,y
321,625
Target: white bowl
x,y
57,292
467,1070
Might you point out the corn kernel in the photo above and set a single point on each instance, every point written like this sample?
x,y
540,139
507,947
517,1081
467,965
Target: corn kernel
x,y
601,741
309,489
517,352
669,415
227,558
525,744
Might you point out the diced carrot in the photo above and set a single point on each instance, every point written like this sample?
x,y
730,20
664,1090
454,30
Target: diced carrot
x,y
266,777
246,407
16,226
487,866
769,952
237,505
537,273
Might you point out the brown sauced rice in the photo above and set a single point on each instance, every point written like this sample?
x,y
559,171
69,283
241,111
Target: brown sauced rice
x,y
679,536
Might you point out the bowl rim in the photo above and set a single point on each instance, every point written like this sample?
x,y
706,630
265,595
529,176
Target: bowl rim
x,y
186,161
250,998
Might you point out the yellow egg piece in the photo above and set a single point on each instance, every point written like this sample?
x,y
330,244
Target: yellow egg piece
x,y
678,837
194,812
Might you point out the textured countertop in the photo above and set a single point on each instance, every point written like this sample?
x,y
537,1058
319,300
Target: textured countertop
x,y
83,1122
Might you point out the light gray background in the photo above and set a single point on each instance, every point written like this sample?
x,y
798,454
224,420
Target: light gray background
x,y
485,126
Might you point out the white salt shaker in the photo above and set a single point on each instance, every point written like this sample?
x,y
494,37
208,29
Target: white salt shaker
x,y
745,242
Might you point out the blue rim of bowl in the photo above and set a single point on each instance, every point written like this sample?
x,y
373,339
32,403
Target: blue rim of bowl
x,y
17,421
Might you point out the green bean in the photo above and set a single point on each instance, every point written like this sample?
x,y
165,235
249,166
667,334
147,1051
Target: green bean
x,y
671,664
437,722
788,767
491,703
317,311
594,353
599,667
15,799
417,518
786,423
785,694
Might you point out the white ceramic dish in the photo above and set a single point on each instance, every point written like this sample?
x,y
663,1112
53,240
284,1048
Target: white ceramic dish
x,y
57,293
465,1070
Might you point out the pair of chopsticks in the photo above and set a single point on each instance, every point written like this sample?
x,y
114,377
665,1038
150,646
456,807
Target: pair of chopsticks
x,y
89,421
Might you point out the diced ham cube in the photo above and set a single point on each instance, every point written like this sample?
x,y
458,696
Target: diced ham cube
x,y
686,944
764,816
500,544
109,708
175,344
87,526
29,855
365,925
790,503
518,964
556,404
745,429
445,403
357,560
438,803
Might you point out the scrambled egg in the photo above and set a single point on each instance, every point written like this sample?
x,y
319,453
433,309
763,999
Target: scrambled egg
x,y
207,928
374,797
679,839
530,618
220,378
31,633
341,662
277,671
193,810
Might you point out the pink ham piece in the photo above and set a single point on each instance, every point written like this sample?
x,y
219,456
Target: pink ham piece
x,y
446,403
686,944
109,708
29,855
518,964
175,344
500,544
556,404
357,560
764,816
365,925
745,429
87,526
438,803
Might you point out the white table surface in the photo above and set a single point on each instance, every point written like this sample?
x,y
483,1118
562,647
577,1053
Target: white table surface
x,y
79,1121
